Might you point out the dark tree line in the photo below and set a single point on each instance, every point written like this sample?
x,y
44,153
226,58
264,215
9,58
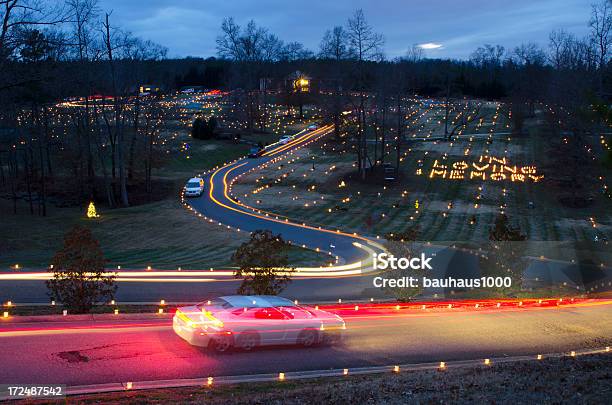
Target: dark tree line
x,y
50,55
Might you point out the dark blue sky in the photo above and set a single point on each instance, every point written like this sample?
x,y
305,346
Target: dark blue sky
x,y
189,28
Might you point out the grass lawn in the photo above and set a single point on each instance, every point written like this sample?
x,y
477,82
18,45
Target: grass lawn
x,y
200,156
162,235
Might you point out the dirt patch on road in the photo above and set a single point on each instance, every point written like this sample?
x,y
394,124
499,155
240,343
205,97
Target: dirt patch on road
x,y
73,356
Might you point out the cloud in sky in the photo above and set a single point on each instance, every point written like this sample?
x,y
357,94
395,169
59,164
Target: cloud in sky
x,y
189,27
430,45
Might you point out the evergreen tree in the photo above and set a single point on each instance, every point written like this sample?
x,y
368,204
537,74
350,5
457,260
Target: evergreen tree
x,y
79,280
262,264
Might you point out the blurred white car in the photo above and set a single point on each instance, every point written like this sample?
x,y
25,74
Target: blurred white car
x,y
285,139
312,127
194,187
248,321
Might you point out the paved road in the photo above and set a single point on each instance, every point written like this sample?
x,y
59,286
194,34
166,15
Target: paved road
x,y
153,351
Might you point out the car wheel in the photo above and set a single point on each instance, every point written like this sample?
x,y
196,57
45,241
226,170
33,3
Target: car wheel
x,y
308,338
332,339
248,341
221,344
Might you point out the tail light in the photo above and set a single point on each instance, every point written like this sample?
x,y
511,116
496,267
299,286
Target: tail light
x,y
215,321
181,315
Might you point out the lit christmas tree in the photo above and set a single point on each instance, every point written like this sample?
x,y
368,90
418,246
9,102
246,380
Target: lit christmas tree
x,y
91,211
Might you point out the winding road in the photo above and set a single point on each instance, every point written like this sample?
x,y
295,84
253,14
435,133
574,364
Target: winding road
x,y
353,252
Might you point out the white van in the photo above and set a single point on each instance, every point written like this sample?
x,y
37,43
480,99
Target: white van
x,y
194,187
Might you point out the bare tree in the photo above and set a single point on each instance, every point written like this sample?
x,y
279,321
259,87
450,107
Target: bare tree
x,y
86,49
335,48
489,58
467,113
251,44
334,45
16,18
558,44
116,128
293,51
528,54
251,47
362,38
83,16
52,140
529,59
368,46
414,54
601,25
17,14
154,115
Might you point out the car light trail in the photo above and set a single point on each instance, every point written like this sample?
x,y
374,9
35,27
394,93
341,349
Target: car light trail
x,y
191,275
370,309
102,327
297,141
370,316
294,141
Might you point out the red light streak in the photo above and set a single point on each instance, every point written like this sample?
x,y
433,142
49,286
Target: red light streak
x,y
367,312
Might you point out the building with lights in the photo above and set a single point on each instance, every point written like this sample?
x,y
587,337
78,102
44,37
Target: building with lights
x,y
146,89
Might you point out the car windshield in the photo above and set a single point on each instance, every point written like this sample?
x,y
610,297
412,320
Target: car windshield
x,y
217,302
279,301
257,301
193,184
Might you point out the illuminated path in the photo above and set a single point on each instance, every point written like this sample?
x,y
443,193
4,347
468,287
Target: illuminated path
x,y
104,353
216,205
